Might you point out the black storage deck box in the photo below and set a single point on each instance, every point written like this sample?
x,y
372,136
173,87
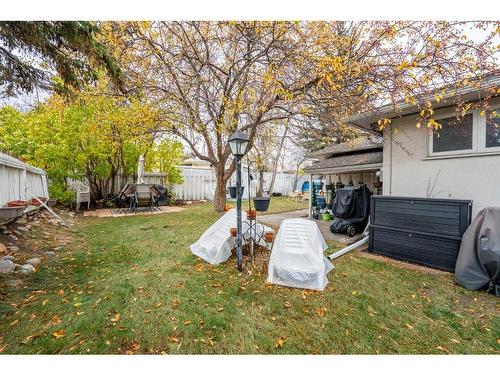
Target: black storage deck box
x,y
424,231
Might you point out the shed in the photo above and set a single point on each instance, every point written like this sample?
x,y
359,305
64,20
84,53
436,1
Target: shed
x,y
16,177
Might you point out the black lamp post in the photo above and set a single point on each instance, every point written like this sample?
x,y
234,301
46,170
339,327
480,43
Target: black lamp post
x,y
238,143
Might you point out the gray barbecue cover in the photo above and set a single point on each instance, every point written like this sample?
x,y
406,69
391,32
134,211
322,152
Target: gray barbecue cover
x,y
478,263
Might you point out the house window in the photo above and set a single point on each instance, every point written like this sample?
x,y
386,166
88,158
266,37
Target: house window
x,y
455,134
492,131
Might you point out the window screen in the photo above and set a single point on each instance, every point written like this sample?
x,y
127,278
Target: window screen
x,y
455,134
493,130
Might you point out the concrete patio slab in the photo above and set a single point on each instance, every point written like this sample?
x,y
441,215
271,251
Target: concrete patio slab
x,y
324,226
107,212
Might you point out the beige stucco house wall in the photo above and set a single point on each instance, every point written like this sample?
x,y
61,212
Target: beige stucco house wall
x,y
410,169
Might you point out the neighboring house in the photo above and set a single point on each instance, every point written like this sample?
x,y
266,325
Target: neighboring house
x,y
17,179
461,161
359,161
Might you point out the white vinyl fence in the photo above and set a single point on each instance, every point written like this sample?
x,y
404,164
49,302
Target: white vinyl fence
x,y
199,183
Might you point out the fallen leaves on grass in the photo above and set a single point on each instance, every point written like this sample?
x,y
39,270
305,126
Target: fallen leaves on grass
x,y
77,345
175,337
58,334
27,339
158,304
280,342
2,348
409,326
116,318
187,322
442,348
134,346
199,267
321,311
14,322
175,304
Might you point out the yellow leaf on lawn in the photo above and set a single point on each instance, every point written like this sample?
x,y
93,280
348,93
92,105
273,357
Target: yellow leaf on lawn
x,y
187,322
455,341
116,318
158,304
2,348
409,326
77,304
321,311
498,340
14,322
175,304
280,342
58,334
441,348
61,292
173,338
256,348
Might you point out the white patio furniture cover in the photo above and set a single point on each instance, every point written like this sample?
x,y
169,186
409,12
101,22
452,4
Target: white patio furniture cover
x,y
214,246
297,258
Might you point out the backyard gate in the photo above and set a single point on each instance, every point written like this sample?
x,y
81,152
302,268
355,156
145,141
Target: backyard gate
x,y
425,231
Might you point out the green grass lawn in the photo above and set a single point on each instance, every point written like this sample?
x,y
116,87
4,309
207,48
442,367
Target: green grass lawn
x,y
131,285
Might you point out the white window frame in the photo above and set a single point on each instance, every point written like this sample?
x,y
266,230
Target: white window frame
x,y
482,132
472,150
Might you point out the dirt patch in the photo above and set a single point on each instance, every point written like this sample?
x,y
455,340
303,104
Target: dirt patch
x,y
116,212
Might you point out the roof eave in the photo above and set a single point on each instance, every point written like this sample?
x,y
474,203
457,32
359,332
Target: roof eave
x,y
345,169
364,121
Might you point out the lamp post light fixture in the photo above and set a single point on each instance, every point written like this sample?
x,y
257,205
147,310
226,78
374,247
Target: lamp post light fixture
x,y
238,142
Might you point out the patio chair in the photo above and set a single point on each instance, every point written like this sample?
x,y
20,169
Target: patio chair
x,y
124,199
144,197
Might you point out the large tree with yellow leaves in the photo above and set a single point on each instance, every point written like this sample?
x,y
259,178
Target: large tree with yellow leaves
x,y
210,78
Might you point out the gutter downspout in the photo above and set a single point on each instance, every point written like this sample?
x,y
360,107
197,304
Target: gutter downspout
x,y
390,166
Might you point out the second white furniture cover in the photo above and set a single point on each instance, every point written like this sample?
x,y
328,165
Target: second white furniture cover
x,y
297,258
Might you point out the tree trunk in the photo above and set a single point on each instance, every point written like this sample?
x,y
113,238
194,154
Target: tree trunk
x,y
220,188
275,163
260,190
